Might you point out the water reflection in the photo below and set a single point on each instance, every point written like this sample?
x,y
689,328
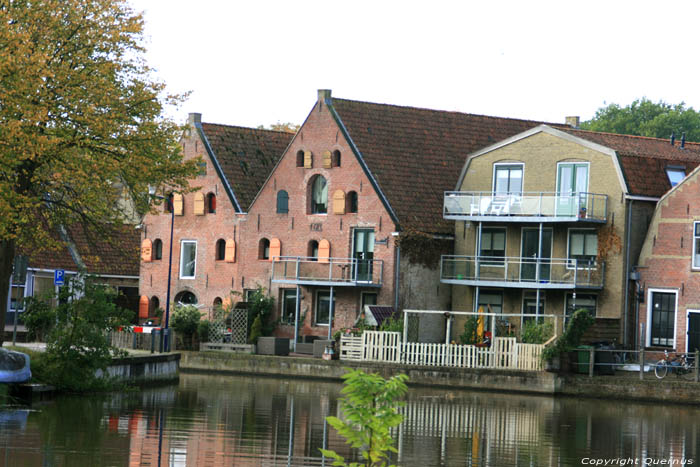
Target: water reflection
x,y
245,421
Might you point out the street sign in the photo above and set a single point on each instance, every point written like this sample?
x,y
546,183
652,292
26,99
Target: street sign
x,y
19,272
59,277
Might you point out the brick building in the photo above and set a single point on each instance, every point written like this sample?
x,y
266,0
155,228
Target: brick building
x,y
551,221
667,299
206,222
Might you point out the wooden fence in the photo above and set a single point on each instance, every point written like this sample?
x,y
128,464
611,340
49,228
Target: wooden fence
x,y
379,346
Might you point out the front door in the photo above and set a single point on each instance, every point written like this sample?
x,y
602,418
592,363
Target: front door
x,y
693,331
572,183
363,254
530,247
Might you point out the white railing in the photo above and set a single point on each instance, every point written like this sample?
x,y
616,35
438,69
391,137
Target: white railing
x,y
581,206
545,272
341,271
387,347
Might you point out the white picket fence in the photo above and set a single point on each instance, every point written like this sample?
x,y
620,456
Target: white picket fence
x,y
379,346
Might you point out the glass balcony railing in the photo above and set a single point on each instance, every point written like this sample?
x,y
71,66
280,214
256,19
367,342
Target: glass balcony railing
x,y
548,273
534,207
327,271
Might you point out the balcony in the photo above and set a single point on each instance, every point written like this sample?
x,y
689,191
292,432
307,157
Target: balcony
x,y
523,273
344,272
525,207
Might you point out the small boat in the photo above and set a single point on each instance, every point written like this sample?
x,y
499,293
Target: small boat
x,y
14,367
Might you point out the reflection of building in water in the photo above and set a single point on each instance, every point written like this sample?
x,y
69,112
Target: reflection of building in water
x,y
482,430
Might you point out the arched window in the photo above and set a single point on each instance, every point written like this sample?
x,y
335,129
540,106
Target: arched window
x,y
218,303
220,249
319,195
282,202
300,159
335,160
312,251
157,249
264,249
154,306
351,201
186,298
211,203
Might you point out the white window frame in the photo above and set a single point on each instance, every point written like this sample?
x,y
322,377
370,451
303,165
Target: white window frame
x,y
501,164
675,169
588,175
696,240
569,262
478,248
650,292
182,248
317,302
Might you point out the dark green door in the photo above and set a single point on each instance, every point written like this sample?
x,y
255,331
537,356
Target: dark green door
x,y
530,245
363,254
693,332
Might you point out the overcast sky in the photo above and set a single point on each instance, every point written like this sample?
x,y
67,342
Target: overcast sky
x,y
258,62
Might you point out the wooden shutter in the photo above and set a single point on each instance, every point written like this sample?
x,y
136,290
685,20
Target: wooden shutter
x,y
275,248
143,307
230,256
146,251
338,202
324,251
327,160
308,160
178,204
199,204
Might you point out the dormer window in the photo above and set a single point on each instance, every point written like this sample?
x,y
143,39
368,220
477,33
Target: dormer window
x,y
508,179
675,174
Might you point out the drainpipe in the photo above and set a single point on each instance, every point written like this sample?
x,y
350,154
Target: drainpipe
x,y
537,274
330,318
397,266
628,234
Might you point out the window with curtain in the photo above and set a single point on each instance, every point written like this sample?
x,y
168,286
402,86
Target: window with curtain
x,y
508,179
289,304
319,195
583,248
188,259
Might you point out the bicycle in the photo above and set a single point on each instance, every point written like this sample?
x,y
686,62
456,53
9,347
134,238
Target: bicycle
x,y
682,365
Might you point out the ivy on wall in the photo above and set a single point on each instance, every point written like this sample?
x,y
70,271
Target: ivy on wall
x,y
608,242
422,248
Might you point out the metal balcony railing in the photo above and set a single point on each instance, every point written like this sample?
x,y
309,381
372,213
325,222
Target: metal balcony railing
x,y
525,207
327,271
518,272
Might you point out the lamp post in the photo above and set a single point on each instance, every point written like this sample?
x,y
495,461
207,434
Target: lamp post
x,y
166,329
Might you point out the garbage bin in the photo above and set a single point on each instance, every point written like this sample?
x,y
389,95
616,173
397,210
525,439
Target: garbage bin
x,y
604,361
584,358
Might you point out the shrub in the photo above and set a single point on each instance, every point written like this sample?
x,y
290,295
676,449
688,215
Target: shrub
x,y
203,330
535,332
78,342
370,408
469,336
185,322
392,324
260,305
580,321
39,318
255,330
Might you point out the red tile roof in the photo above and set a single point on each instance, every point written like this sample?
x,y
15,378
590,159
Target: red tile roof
x,y
246,156
113,253
417,154
644,160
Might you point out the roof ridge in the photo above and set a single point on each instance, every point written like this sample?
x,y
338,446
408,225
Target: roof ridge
x,y
279,132
629,136
524,120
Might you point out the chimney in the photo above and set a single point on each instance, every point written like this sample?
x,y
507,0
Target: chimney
x,y
683,140
324,94
673,138
193,118
573,121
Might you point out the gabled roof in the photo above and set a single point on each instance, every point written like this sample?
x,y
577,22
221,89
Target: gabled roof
x,y
644,160
116,254
245,157
415,155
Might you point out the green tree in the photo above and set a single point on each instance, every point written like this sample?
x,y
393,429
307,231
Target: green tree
x,y
287,127
370,411
646,118
78,344
185,321
81,124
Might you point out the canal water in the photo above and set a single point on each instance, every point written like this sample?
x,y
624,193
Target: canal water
x,y
246,421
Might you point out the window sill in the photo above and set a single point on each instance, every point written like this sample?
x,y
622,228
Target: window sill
x,y
187,277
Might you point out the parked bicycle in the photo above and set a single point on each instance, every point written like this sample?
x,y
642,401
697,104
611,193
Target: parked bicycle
x,y
681,364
